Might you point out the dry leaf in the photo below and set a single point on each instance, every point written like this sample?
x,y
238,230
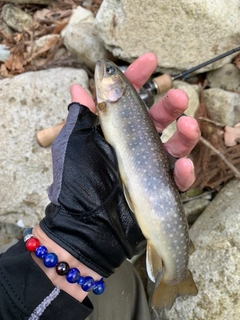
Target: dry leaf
x,y
3,71
40,15
14,62
236,61
231,135
60,26
42,45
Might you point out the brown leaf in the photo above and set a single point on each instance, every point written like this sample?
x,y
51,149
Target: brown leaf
x,y
41,48
236,61
231,135
3,71
40,15
15,62
60,26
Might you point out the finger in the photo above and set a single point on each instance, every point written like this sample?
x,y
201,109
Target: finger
x,y
169,108
184,174
80,95
185,138
141,69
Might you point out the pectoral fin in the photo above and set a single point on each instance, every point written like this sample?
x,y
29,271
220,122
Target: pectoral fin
x,y
127,197
166,294
153,262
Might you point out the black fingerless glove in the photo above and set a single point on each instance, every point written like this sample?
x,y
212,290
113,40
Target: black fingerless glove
x,y
88,214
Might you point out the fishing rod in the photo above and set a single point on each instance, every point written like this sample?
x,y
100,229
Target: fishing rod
x,y
164,82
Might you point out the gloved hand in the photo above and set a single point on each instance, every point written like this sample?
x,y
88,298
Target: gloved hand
x,y
88,215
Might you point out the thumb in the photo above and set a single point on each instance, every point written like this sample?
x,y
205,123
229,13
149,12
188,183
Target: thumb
x,y
80,95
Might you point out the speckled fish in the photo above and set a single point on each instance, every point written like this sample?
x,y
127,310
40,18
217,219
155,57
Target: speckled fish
x,y
147,183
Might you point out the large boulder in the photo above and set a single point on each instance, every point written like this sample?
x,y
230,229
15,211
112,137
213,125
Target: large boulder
x,y
215,262
28,103
181,33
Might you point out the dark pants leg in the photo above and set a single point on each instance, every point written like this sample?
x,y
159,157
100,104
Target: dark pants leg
x,y
123,299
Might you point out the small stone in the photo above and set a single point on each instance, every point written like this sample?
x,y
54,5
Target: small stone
x,y
81,39
194,208
224,106
226,78
16,18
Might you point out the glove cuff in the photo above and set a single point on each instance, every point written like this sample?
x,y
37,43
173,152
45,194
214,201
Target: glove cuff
x,y
97,239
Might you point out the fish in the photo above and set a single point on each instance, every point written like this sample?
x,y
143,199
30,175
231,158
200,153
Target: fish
x,y
147,183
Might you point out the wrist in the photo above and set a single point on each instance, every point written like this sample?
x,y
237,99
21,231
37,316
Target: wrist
x,y
73,289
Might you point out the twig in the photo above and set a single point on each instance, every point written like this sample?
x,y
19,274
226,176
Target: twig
x,y
31,34
217,152
218,124
205,194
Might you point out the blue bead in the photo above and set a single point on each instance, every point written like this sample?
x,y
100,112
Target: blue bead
x,y
99,287
41,251
50,260
81,280
89,284
73,275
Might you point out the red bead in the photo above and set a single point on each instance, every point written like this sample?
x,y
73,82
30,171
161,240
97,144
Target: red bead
x,y
32,244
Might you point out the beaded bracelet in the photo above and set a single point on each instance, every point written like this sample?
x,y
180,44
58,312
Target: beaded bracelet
x,y
50,260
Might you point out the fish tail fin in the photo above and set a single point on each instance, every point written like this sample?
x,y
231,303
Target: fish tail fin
x,y
166,294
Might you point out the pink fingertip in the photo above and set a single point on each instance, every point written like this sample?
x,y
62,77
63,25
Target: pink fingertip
x,y
80,95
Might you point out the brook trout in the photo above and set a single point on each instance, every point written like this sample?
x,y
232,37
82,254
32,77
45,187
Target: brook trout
x,y
148,186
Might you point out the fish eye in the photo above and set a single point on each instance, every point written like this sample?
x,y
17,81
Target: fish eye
x,y
110,70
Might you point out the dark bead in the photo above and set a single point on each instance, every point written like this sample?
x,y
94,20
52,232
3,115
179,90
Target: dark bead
x,y
99,287
88,284
73,275
41,251
62,268
50,260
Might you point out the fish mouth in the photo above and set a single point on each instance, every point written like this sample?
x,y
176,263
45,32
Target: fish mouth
x,y
100,69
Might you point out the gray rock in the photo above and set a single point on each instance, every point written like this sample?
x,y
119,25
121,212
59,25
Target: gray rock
x,y
194,208
81,40
4,53
5,28
181,33
42,41
215,262
9,232
224,106
28,103
227,78
6,246
16,18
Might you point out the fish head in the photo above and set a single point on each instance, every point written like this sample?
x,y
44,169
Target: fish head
x,y
110,83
